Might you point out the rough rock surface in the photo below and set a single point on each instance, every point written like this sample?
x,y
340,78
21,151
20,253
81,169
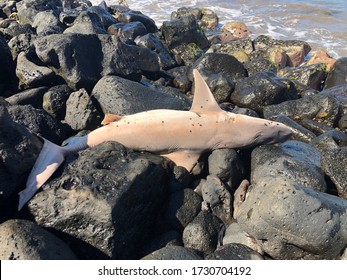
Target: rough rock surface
x,y
120,96
279,213
202,233
292,161
334,164
106,200
25,240
18,152
173,253
180,209
94,56
235,252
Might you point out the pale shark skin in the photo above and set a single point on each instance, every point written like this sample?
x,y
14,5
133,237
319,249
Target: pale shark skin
x,y
181,136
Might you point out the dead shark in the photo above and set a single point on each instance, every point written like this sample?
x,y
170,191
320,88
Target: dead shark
x,y
181,136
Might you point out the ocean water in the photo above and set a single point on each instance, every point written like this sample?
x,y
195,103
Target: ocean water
x,y
322,23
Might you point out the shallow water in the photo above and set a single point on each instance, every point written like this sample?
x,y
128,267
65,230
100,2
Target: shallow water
x,y
322,23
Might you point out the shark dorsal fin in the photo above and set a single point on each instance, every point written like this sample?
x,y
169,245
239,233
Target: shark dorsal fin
x,y
203,98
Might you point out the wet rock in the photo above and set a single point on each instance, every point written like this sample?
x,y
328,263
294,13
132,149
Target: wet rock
x,y
28,9
81,113
295,51
54,101
169,238
24,240
237,29
31,74
94,56
259,65
299,132
18,152
129,31
116,95
181,79
312,76
7,69
47,22
106,200
291,221
87,23
32,97
338,75
235,252
235,235
154,43
173,253
183,31
334,164
262,89
319,107
322,57
180,209
226,165
187,54
331,140
209,19
340,93
20,43
293,162
217,198
39,122
216,63
202,233
131,16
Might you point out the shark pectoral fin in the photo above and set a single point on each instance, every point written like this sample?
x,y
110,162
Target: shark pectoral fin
x,y
48,161
109,118
203,100
187,159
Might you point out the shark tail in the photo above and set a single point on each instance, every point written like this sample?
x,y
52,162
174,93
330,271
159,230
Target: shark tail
x,y
48,161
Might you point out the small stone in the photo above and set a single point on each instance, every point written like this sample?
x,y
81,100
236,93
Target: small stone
x,y
322,57
217,198
87,23
237,29
180,209
54,101
235,252
226,165
334,164
338,75
331,140
24,240
202,233
173,253
81,113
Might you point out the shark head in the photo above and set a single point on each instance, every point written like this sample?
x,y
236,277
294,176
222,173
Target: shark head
x,y
236,130
252,131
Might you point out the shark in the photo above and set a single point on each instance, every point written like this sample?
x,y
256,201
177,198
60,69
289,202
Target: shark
x,y
180,136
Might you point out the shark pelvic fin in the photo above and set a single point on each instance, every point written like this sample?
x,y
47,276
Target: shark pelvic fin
x,y
203,100
109,118
48,161
187,159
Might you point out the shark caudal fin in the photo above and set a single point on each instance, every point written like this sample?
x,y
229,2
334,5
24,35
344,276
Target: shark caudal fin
x,y
48,161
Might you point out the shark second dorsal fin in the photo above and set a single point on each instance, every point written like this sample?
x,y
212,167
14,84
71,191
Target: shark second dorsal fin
x,y
204,100
109,118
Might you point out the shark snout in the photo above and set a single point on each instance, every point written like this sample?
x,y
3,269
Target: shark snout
x,y
275,132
